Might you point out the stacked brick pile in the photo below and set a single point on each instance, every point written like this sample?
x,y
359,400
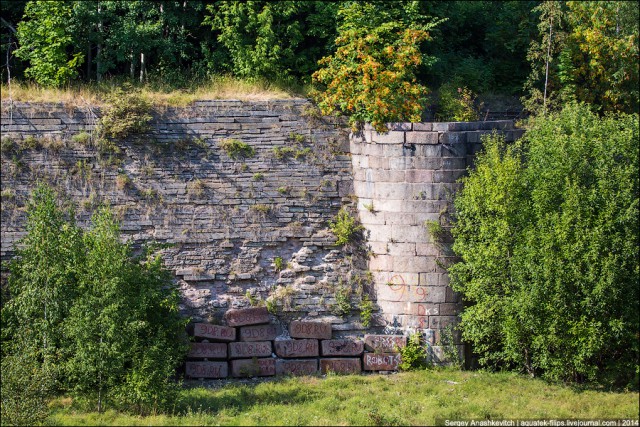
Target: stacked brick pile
x,y
250,345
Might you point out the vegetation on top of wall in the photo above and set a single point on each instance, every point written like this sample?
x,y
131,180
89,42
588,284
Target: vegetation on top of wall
x,y
547,231
127,113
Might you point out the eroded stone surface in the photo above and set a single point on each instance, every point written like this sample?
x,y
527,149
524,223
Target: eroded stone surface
x,y
307,329
207,369
381,361
296,348
384,343
253,367
343,347
205,350
296,367
341,365
214,332
242,349
247,316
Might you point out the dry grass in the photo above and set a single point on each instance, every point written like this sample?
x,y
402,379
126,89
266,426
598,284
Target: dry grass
x,y
219,87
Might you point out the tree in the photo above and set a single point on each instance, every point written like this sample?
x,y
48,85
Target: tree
x,y
599,63
267,39
371,76
93,318
547,233
46,37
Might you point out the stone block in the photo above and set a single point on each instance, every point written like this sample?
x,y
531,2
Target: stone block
x,y
207,369
419,175
441,322
247,316
424,309
420,138
384,343
253,367
341,365
214,332
296,367
307,329
296,348
243,349
381,361
392,137
207,350
342,347
424,126
258,333
450,309
399,126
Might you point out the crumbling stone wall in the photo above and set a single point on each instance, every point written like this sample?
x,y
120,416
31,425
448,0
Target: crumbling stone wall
x,y
404,181
226,220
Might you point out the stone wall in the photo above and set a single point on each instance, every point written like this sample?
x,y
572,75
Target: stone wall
x,y
404,180
227,220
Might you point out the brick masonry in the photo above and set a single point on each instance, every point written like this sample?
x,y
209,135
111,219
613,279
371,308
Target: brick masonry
x,y
403,179
227,220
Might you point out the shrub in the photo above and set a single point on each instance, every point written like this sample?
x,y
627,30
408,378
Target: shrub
x,y
414,355
456,104
342,307
82,138
99,322
237,149
127,113
366,311
547,232
345,227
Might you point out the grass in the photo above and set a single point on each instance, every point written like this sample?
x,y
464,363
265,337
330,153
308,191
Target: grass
x,y
409,398
218,87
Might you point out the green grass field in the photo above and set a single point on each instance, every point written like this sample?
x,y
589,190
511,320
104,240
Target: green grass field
x,y
409,398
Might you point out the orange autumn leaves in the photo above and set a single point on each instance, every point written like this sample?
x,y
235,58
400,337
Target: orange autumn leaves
x,y
371,76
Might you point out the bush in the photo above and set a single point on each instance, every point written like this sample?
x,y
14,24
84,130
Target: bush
x,y
456,104
103,323
414,355
237,149
547,232
345,227
128,113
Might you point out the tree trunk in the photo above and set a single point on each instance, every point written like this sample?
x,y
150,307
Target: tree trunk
x,y
132,68
99,49
142,68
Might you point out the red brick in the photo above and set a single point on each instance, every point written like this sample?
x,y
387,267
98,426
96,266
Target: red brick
x,y
344,347
214,350
341,365
207,369
296,367
214,332
247,316
381,361
302,329
384,343
253,367
239,350
296,348
258,333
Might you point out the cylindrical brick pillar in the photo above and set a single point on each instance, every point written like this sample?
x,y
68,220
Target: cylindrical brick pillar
x,y
404,179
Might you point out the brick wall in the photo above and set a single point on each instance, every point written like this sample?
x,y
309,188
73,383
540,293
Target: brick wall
x,y
403,179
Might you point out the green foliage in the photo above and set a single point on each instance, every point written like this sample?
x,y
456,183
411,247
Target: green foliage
x,y
283,153
456,104
45,37
96,320
371,75
366,311
237,149
345,227
128,113
449,347
342,307
267,39
414,355
82,138
278,264
547,232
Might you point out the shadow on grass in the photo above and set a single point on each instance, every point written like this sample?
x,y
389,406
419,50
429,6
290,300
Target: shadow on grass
x,y
239,398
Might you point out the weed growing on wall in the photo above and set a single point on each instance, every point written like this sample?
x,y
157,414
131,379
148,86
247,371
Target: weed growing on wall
x,y
366,311
342,306
237,149
345,227
127,113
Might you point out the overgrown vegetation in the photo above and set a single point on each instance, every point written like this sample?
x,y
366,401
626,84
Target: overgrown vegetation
x,y
345,227
83,316
547,232
127,113
237,149
413,355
